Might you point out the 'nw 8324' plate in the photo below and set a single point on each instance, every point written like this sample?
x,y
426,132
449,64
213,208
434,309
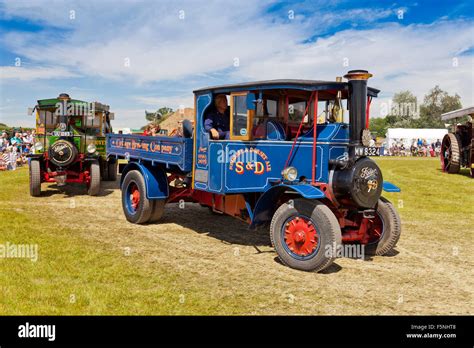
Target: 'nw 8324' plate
x,y
367,151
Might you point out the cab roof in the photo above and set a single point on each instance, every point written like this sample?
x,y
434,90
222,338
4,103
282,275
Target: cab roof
x,y
307,85
51,103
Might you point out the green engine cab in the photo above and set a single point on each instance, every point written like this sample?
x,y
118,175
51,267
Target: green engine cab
x,y
69,144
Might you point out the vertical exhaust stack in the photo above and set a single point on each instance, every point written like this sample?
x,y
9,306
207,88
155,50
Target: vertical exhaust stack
x,y
64,97
357,105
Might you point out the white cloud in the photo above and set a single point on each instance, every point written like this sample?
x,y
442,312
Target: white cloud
x,y
400,58
202,47
124,117
170,101
34,73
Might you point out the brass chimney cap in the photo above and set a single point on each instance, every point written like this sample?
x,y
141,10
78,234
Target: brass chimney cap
x,y
358,75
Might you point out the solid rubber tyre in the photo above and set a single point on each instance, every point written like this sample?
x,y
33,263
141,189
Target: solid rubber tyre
x,y
143,210
35,178
392,229
93,188
112,170
325,224
158,210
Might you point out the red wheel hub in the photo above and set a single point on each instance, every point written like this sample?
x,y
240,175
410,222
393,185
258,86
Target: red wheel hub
x,y
300,236
374,229
134,196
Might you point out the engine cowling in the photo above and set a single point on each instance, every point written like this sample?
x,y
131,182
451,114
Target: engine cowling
x,y
359,185
62,153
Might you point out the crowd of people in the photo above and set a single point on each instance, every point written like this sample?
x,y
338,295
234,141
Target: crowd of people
x,y
418,148
14,146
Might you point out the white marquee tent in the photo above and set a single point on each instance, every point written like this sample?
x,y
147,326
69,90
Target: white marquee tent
x,y
407,135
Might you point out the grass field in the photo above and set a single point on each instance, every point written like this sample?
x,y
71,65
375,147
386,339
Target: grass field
x,y
91,261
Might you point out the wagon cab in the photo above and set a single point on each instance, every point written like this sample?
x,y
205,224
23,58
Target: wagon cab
x,y
289,154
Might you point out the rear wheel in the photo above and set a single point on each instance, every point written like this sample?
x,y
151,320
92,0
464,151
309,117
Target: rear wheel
x,y
385,229
158,210
35,178
450,153
136,207
94,180
112,170
305,235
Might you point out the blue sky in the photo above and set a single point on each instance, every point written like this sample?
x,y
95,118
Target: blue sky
x,y
137,55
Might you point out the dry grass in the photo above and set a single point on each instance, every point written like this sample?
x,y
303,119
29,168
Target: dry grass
x,y
197,263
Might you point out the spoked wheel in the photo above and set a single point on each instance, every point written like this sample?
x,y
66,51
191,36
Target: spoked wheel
x,y
301,238
136,207
305,235
384,229
450,152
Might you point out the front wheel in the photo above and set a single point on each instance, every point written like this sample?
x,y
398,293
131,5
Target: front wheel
x,y
136,206
305,235
35,178
94,179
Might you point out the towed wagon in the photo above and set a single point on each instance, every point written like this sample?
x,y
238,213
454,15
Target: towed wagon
x,y
292,159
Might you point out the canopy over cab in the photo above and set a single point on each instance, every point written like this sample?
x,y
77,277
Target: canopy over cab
x,y
286,102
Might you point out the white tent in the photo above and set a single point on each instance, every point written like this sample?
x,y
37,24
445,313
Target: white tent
x,y
408,135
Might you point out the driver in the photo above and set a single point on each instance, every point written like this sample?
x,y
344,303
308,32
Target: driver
x,y
217,122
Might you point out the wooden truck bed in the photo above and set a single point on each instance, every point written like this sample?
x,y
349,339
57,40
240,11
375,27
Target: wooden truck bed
x,y
168,151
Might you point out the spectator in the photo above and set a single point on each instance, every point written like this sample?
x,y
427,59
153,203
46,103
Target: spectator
x,y
16,141
432,151
154,130
3,161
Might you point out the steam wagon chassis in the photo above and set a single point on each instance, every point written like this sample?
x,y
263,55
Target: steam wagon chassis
x,y
284,163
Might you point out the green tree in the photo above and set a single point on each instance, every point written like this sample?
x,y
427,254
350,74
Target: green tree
x,y
404,110
435,103
378,126
159,115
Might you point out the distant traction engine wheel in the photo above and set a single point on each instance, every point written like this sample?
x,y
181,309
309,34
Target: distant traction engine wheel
x,y
450,153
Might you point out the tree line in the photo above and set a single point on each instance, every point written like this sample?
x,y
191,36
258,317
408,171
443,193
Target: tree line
x,y
404,111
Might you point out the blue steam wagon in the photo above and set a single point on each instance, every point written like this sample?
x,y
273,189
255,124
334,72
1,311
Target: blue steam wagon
x,y
284,154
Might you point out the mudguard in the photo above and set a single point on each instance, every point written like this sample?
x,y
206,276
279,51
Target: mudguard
x,y
155,179
389,187
265,206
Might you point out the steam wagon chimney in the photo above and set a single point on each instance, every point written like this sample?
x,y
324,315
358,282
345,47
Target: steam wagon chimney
x,y
64,97
357,104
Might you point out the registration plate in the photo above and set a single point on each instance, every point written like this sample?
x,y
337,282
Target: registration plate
x,y
61,134
367,151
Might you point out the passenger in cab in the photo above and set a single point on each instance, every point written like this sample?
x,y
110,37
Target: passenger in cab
x,y
217,122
